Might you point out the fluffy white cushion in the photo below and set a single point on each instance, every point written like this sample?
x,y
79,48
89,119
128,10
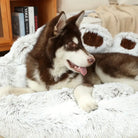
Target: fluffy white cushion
x,y
101,31
109,44
78,5
117,43
55,114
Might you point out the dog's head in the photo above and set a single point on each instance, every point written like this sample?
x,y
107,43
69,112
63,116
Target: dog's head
x,y
64,47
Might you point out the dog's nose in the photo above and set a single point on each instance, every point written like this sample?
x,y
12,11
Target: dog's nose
x,y
91,60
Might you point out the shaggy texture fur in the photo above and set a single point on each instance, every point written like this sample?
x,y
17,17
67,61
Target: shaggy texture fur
x,y
130,47
55,113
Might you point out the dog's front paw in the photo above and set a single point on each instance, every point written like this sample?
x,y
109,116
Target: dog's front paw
x,y
87,104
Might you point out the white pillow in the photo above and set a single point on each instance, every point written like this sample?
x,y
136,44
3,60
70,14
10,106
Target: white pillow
x,y
78,5
101,31
130,2
117,43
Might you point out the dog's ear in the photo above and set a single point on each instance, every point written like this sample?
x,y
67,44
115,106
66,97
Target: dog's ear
x,y
60,23
76,19
79,18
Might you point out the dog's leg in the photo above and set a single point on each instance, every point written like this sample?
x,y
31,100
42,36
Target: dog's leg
x,y
4,91
83,95
106,78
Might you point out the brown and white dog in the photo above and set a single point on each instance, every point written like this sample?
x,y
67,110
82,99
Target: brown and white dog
x,y
59,60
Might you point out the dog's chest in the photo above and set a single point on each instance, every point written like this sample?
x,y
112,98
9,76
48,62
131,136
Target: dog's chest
x,y
69,82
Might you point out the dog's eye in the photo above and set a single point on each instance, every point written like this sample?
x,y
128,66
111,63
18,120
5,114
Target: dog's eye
x,y
72,44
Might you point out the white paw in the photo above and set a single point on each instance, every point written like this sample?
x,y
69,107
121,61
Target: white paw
x,y
87,104
136,78
4,91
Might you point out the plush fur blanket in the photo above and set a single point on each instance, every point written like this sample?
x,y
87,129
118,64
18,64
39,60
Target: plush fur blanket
x,y
55,114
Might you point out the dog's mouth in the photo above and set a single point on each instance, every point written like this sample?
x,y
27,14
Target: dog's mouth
x,y
82,70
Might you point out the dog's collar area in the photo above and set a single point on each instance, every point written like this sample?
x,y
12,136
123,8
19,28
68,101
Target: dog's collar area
x,y
82,70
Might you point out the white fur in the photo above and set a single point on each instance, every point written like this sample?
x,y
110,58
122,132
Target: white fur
x,y
69,82
59,68
83,95
37,85
78,57
4,91
106,78
59,64
75,40
136,78
55,114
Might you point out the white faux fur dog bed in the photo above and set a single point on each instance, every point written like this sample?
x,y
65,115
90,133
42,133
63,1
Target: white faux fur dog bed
x,y
55,114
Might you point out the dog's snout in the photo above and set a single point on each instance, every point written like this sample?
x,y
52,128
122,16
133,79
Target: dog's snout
x,y
91,60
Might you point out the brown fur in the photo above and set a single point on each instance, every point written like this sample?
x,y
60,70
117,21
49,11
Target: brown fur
x,y
114,64
118,65
42,55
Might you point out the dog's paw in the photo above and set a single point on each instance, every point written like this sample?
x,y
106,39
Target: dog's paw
x,y
136,78
4,91
87,104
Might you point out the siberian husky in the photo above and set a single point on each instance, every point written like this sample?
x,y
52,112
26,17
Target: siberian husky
x,y
59,60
